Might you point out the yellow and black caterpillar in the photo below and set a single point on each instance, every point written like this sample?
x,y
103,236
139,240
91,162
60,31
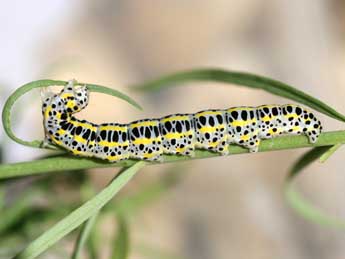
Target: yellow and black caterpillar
x,y
179,134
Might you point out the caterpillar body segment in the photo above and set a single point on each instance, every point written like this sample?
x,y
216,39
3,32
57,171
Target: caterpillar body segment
x,y
145,140
80,136
112,142
211,131
271,120
178,134
243,127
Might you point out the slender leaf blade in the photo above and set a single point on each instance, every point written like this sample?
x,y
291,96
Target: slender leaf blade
x,y
299,203
6,112
112,92
78,216
329,152
121,241
310,212
306,160
244,79
83,236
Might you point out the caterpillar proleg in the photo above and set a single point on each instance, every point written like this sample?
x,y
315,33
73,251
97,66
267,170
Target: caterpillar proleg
x,y
178,134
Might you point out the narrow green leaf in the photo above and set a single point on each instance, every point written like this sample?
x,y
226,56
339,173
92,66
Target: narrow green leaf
x,y
329,152
306,160
245,79
78,216
86,191
93,243
113,92
310,212
6,112
2,197
297,202
120,249
63,163
83,236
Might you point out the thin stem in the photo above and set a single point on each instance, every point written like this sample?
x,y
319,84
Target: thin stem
x,y
68,162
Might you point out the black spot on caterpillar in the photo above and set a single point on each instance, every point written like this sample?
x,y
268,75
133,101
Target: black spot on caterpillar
x,y
177,134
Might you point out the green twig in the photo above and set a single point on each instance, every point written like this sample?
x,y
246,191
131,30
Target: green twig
x,y
83,236
69,162
120,247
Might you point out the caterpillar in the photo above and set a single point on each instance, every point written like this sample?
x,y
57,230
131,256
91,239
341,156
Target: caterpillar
x,y
178,134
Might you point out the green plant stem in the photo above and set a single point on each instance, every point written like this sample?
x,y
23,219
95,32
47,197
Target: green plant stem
x,y
69,162
310,212
83,236
120,246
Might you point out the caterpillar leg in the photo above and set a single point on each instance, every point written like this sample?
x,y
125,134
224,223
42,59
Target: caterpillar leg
x,y
222,150
253,145
313,137
211,131
47,141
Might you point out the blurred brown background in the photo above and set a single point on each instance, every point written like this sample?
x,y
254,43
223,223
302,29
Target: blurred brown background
x,y
229,207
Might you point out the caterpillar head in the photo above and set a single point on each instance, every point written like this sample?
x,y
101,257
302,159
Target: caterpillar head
x,y
70,100
74,98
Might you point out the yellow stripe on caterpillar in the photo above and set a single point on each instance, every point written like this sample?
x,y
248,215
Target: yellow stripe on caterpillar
x,y
143,124
113,144
145,141
242,123
176,135
113,127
